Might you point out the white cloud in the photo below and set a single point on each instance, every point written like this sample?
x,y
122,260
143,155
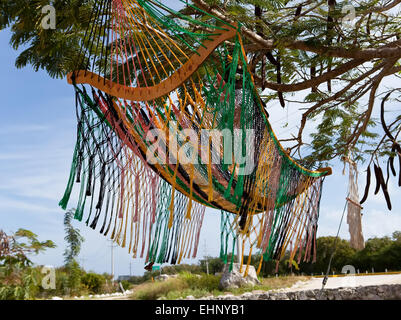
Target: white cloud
x,y
22,129
14,156
379,223
8,204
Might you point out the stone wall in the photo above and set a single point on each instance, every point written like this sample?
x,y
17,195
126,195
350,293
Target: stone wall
x,y
382,292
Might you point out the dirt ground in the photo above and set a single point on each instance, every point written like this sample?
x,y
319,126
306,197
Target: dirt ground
x,y
316,283
348,281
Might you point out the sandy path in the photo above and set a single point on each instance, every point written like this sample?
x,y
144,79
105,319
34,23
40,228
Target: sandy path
x,y
349,281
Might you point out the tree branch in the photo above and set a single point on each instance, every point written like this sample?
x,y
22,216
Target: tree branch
x,y
390,50
312,82
357,132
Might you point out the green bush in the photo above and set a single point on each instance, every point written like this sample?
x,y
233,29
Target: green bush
x,y
94,282
185,284
214,265
18,282
18,279
75,274
176,269
204,281
155,290
198,293
126,284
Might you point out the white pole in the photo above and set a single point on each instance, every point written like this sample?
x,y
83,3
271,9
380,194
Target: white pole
x,y
112,262
238,247
207,261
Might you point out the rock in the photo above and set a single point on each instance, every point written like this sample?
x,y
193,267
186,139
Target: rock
x,y
310,294
263,296
383,292
297,295
162,277
347,294
281,296
247,296
257,294
331,294
235,278
57,298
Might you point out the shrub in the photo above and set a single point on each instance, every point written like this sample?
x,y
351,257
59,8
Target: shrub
x,y
126,284
176,269
75,274
155,290
204,281
18,279
173,288
94,282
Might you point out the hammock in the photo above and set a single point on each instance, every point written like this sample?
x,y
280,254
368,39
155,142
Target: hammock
x,y
169,123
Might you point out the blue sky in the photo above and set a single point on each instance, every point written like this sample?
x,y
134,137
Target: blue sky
x,y
37,137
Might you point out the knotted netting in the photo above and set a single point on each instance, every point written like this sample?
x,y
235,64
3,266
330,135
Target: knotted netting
x,y
169,123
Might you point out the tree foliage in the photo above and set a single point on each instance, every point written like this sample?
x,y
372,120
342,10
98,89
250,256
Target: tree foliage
x,y
306,52
18,280
72,237
55,51
93,281
379,254
74,241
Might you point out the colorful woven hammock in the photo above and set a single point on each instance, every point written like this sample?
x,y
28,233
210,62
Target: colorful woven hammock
x,y
169,123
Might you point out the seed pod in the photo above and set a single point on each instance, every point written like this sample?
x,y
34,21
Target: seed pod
x,y
368,24
385,128
387,197
328,70
253,64
299,10
388,173
278,68
281,98
365,196
375,167
263,72
313,75
380,179
271,58
391,162
381,176
384,188
399,178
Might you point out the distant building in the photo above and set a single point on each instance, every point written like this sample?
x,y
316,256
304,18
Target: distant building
x,y
122,278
